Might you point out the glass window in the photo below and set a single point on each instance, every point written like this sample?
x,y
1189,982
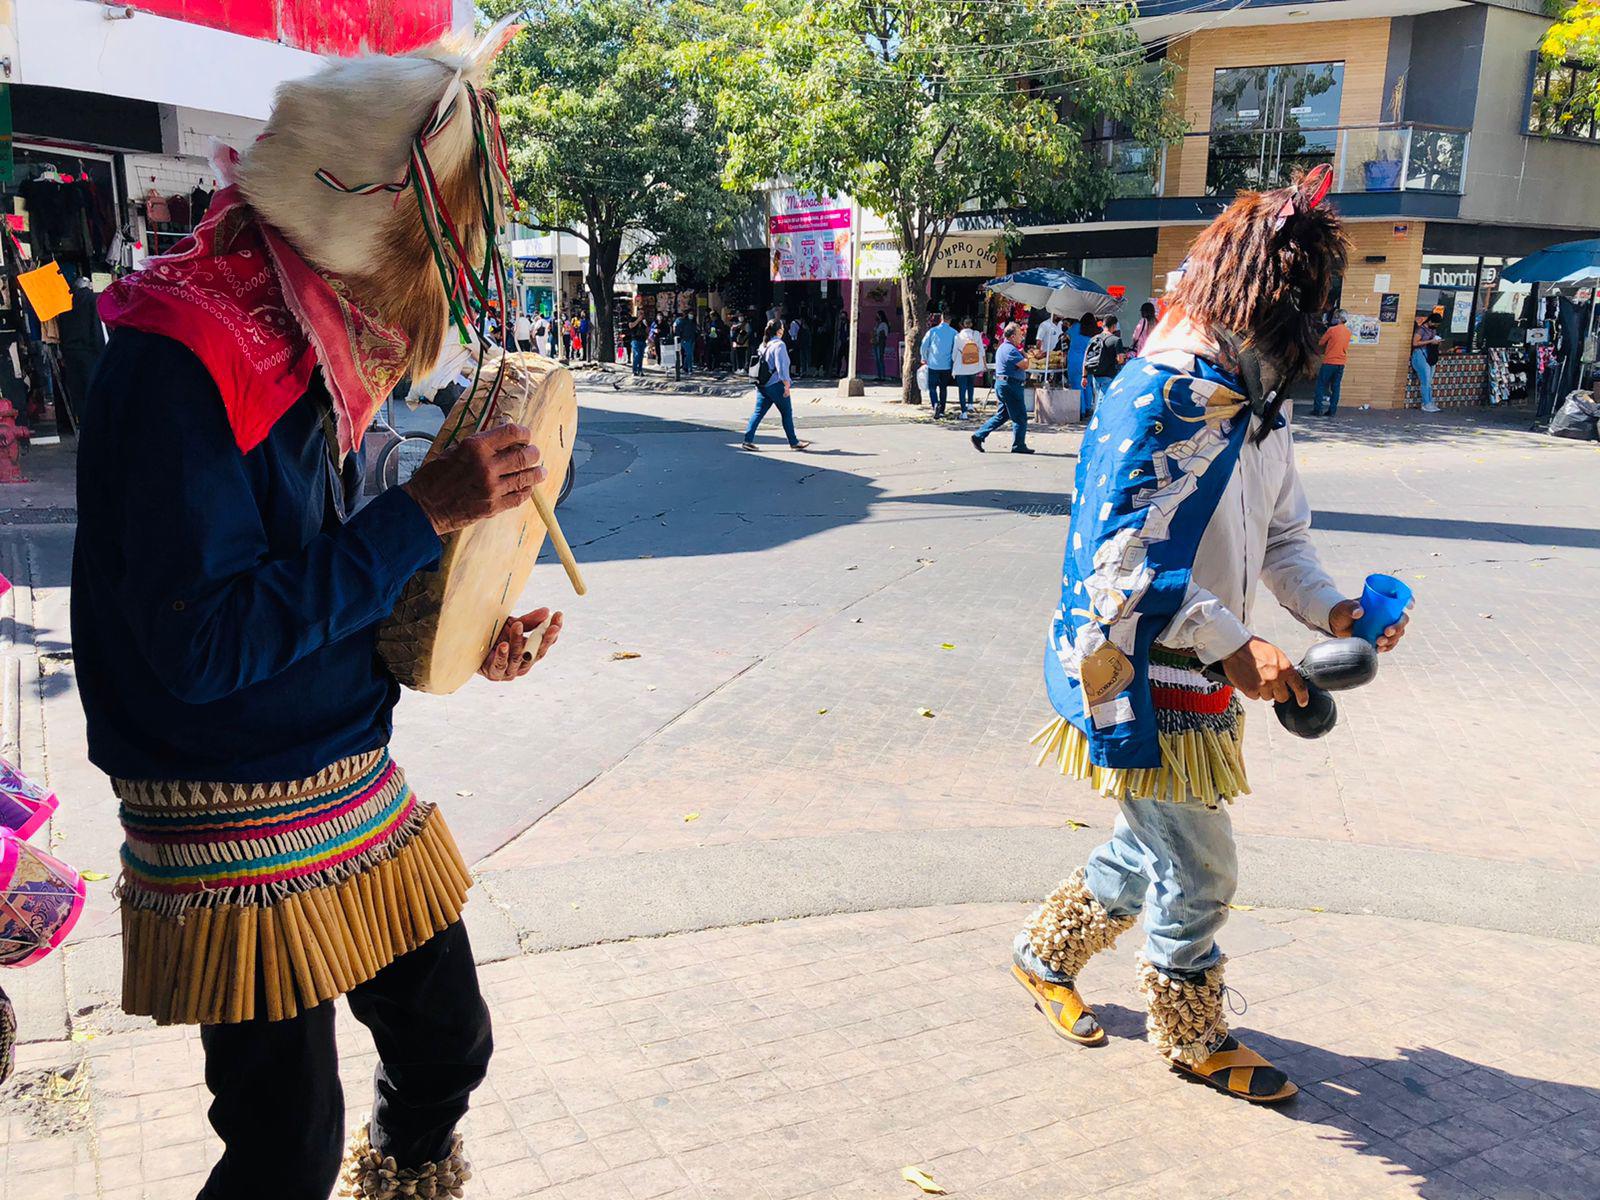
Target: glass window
x,y
1269,121
1561,104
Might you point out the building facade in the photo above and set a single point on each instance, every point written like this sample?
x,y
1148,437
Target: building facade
x,y
1429,112
112,111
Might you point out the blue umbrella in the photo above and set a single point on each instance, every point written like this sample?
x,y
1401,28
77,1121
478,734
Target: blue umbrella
x,y
1061,292
1569,262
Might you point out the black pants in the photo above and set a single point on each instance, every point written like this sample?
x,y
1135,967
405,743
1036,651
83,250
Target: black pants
x,y
278,1105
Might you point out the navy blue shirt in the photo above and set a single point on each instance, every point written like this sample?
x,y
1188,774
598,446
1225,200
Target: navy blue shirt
x,y
1010,364
224,620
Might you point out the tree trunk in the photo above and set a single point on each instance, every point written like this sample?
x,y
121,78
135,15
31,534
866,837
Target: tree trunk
x,y
914,315
603,256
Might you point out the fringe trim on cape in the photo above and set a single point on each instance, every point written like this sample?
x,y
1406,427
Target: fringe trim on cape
x,y
205,957
1199,765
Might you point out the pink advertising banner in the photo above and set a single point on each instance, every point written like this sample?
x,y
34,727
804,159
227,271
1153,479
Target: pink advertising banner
x,y
809,237
807,222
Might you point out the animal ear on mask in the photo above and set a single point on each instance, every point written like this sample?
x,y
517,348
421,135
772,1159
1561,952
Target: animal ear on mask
x,y
479,58
1307,193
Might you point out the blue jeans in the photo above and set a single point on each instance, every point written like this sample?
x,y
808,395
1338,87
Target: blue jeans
x,y
877,360
638,356
1091,396
686,351
966,386
1329,378
1012,408
938,388
1424,370
1175,863
766,398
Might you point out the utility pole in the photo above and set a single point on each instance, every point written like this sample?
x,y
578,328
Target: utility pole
x,y
850,385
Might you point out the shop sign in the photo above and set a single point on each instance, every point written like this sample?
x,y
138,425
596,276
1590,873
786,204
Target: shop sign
x,y
971,256
879,258
1455,275
963,256
539,271
1389,308
1461,316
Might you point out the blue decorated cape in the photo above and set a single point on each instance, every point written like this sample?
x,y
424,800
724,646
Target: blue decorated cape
x,y
1154,462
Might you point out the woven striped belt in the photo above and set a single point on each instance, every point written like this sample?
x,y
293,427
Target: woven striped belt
x,y
281,895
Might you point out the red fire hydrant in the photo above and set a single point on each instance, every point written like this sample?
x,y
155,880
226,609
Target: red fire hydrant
x,y
11,435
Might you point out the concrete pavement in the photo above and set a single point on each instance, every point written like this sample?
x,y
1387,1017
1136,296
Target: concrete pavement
x,y
765,758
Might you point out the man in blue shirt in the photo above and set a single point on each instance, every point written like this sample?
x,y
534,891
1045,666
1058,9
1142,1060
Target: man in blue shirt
x,y
938,352
1010,373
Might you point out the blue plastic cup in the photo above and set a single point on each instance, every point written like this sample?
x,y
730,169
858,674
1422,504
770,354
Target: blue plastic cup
x,y
1383,602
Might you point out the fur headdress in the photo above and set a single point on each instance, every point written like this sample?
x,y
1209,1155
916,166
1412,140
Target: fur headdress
x,y
1263,271
387,172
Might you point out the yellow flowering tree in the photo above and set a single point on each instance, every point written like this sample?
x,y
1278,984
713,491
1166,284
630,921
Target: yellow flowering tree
x,y
1575,38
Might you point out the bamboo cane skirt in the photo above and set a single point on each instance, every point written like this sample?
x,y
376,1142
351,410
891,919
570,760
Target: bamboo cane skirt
x,y
248,900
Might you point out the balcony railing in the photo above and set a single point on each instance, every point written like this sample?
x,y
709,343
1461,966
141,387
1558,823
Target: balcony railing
x,y
1365,158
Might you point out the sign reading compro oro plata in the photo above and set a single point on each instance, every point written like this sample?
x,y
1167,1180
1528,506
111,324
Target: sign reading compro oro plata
x,y
967,255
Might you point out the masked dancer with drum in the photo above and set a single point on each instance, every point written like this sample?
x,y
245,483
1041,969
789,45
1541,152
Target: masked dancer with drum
x,y
1186,499
227,598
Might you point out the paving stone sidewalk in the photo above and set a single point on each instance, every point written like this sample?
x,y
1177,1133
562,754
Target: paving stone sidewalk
x,y
818,1058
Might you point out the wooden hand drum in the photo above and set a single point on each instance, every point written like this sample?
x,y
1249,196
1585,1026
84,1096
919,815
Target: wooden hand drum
x,y
437,636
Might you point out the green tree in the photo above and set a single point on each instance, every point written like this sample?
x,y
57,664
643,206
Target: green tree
x,y
926,109
609,144
1575,38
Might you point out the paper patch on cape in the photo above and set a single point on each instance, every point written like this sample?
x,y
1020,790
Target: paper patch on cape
x,y
1105,673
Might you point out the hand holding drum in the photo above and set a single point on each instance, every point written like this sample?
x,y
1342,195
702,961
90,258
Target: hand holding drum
x,y
485,474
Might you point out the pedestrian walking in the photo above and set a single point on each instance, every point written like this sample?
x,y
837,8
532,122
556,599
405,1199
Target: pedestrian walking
x,y
585,342
1335,353
1142,331
967,365
541,335
522,330
1101,362
566,339
938,355
739,353
841,346
880,344
638,336
1425,343
1010,373
773,380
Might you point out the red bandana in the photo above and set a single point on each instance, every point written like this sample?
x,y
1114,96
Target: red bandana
x,y
261,319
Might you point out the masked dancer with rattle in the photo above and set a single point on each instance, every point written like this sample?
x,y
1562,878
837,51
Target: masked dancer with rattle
x,y
1186,499
227,599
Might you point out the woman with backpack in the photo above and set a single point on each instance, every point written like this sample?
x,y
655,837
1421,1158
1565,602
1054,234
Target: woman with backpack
x,y
772,388
967,365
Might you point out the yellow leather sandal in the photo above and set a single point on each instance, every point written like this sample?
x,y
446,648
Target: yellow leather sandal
x,y
1238,1070
1063,1008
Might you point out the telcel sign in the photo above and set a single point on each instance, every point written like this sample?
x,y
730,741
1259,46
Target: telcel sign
x,y
538,271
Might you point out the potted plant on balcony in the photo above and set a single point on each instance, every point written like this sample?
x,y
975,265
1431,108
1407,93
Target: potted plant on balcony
x,y
1381,172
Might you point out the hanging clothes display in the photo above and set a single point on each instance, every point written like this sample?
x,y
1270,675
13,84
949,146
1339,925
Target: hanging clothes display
x,y
82,340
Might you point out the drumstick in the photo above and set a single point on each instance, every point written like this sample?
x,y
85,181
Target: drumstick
x,y
559,541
